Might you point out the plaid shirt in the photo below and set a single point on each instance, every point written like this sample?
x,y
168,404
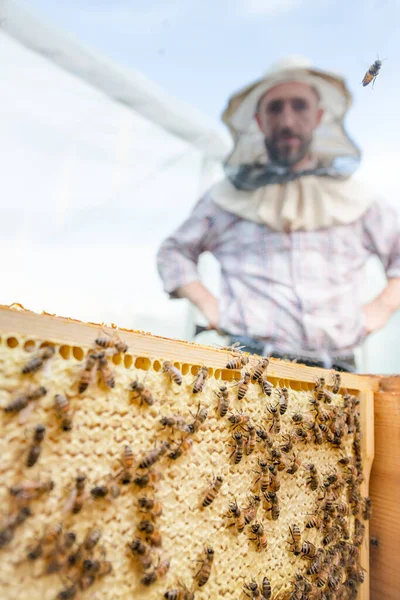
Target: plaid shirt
x,y
299,292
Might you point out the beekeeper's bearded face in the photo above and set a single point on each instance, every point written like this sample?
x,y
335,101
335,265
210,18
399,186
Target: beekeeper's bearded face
x,y
287,115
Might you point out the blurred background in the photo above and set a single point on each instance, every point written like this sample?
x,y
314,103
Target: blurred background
x,y
110,133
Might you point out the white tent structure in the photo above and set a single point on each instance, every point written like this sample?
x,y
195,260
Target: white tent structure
x,y
98,166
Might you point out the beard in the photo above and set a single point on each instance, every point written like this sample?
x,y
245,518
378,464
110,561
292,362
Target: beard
x,y
286,155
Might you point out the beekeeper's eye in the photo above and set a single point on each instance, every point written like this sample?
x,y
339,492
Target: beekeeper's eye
x,y
275,107
299,104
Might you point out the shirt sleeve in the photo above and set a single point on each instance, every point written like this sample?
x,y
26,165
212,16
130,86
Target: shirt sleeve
x,y
381,236
178,255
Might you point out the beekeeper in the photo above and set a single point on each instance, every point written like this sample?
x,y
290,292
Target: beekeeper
x,y
290,227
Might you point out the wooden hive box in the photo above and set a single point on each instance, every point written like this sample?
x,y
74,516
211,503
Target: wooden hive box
x,y
104,420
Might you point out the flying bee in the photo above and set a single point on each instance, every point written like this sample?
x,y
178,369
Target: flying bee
x,y
203,575
182,592
111,341
183,447
199,419
250,512
294,467
313,480
251,439
26,491
127,460
159,572
372,73
252,587
106,372
212,491
367,510
13,521
154,455
141,552
243,385
237,515
283,400
36,447
238,419
265,437
296,539
238,448
151,506
275,426
200,381
21,402
63,411
142,392
37,362
87,375
173,373
238,362
261,537
308,550
223,400
77,497
175,422
259,369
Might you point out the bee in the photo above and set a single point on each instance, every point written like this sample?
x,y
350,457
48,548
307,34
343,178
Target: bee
x,y
336,383
153,536
38,361
313,480
63,411
250,512
238,361
142,552
183,447
238,419
263,480
152,457
308,550
204,572
92,538
301,435
275,484
367,510
29,490
126,461
342,522
102,491
175,422
294,467
261,537
297,417
342,508
142,392
275,426
274,508
266,589
252,587
48,539
287,446
150,505
331,535
266,386
77,498
212,491
200,381
316,565
22,401
55,564
173,373
243,385
13,521
36,447
265,437
238,448
111,341
237,515
283,400
106,372
259,369
160,571
372,73
199,419
296,539
223,400
182,592
314,523
359,531
318,437
68,593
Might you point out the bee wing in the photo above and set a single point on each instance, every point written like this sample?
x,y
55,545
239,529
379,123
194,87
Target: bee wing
x,y
71,500
25,413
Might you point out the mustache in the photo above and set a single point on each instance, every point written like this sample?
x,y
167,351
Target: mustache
x,y
288,133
